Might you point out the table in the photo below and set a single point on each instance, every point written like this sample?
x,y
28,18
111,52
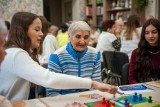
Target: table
x,y
63,100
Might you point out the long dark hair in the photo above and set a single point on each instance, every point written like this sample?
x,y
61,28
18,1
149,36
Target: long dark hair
x,y
18,33
45,27
143,65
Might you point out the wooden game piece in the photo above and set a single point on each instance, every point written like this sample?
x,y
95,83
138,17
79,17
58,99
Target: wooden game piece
x,y
135,94
134,99
113,104
157,105
103,100
108,103
150,99
128,104
140,97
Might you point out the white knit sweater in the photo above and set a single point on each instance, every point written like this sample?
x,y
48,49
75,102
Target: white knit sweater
x,y
18,70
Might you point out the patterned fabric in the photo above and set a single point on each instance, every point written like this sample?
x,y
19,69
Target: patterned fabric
x,y
84,64
117,44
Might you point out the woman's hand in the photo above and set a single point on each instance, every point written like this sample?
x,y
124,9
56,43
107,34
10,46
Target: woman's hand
x,y
105,87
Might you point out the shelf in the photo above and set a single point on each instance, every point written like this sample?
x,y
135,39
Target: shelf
x,y
88,16
99,4
120,9
89,5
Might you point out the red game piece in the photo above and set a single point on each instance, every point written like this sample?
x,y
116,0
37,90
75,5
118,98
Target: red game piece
x,y
103,100
127,104
108,103
113,104
101,104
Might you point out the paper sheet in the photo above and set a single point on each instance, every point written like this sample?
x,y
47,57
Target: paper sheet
x,y
131,89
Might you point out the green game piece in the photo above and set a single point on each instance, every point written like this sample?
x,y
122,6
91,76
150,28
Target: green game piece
x,y
150,99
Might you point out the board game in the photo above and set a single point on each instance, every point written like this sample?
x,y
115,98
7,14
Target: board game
x,y
136,100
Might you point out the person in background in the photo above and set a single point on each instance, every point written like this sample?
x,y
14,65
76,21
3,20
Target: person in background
x,y
150,17
131,35
145,60
107,40
76,58
53,29
7,23
3,31
21,68
62,36
119,27
2,49
3,28
94,36
3,101
50,44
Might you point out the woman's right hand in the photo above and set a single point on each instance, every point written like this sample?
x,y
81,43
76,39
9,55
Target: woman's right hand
x,y
105,87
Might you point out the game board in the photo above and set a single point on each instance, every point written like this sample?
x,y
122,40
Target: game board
x,y
136,100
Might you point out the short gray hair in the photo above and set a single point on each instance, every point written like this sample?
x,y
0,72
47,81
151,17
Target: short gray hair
x,y
82,25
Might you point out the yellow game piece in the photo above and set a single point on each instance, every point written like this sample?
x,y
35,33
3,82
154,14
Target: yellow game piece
x,y
157,105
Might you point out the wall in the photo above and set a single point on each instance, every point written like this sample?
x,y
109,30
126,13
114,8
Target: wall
x,y
53,9
9,7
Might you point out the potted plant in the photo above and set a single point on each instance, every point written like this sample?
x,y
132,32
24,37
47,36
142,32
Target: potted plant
x,y
141,4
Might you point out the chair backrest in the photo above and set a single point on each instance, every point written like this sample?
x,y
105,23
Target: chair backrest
x,y
114,60
125,73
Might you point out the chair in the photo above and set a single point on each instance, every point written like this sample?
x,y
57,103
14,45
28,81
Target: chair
x,y
113,62
125,73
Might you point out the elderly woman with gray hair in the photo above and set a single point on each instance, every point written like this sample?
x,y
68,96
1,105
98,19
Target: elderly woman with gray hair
x,y
76,58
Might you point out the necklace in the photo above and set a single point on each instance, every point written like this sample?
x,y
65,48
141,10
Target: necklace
x,y
153,52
